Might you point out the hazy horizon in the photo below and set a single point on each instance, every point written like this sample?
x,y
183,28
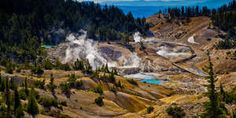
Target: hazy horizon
x,y
146,8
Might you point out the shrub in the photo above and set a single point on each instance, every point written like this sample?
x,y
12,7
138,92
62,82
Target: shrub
x,y
63,103
98,89
78,65
111,78
65,88
175,111
87,68
99,101
72,83
209,39
48,101
2,84
22,94
37,70
113,89
25,85
32,107
78,84
72,80
106,77
72,77
228,52
95,74
65,67
118,84
150,109
132,81
114,71
230,97
226,44
234,53
40,84
3,109
57,114
142,47
234,114
9,69
18,69
48,65
51,86
19,112
104,69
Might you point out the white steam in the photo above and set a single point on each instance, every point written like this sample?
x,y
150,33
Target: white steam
x,y
167,52
82,48
137,37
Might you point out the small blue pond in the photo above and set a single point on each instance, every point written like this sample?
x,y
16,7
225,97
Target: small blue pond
x,y
151,81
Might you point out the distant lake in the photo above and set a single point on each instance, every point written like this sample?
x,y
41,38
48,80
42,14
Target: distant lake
x,y
146,8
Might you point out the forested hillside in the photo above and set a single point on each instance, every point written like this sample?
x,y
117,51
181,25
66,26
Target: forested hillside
x,y
224,18
26,24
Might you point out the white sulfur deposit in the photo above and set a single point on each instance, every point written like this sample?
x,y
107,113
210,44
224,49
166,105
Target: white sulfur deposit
x,y
192,40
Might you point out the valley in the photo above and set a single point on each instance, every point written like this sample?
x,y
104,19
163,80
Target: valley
x,y
81,59
169,57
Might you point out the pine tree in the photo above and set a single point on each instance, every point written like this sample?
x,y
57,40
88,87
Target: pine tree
x,y
9,68
48,65
7,98
51,85
222,92
32,106
26,87
79,65
19,112
112,78
213,108
16,99
12,84
88,68
234,114
17,105
107,68
2,84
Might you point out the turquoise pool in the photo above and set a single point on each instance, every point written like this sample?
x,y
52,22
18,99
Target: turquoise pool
x,y
151,81
145,78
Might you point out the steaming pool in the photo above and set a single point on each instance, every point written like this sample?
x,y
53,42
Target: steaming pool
x,y
145,78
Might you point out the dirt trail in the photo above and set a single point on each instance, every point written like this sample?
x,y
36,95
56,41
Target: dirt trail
x,y
193,70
